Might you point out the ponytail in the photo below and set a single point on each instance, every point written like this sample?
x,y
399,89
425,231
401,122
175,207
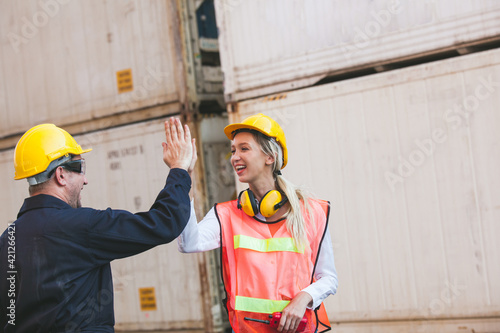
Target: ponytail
x,y
295,219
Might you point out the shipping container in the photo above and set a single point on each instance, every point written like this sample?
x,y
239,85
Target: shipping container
x,y
73,62
70,62
125,170
409,160
98,64
268,46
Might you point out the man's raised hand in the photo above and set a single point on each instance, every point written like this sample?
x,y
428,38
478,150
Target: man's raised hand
x,y
178,150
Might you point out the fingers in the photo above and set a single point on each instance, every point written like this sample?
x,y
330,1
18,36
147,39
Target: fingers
x,y
187,133
282,323
173,129
293,325
194,157
194,148
178,150
179,130
288,324
168,134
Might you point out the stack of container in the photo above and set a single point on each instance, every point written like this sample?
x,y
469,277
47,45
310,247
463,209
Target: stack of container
x,y
110,73
272,46
408,157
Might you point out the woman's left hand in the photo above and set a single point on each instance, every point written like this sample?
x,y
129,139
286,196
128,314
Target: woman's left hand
x,y
294,312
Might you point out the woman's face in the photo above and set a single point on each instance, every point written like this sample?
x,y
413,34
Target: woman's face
x,y
248,160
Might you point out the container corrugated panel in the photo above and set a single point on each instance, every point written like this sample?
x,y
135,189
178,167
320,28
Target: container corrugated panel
x,y
60,61
278,45
409,160
125,170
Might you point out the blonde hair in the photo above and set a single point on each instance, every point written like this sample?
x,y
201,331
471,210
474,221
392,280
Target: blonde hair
x,y
295,221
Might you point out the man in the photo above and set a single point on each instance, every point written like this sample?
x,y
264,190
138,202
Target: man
x,y
55,258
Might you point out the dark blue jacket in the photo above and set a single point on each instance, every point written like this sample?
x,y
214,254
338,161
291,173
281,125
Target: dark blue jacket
x,y
62,254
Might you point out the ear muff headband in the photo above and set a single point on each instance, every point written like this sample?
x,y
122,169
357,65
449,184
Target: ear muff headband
x,y
270,203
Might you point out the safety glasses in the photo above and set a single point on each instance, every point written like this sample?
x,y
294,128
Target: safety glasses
x,y
77,166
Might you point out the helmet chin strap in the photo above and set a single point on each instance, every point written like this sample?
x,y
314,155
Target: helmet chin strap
x,y
42,177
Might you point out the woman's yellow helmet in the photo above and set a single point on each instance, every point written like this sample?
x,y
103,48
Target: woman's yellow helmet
x,y
263,124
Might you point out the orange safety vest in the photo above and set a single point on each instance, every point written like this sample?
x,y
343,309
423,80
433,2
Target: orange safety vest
x,y
261,272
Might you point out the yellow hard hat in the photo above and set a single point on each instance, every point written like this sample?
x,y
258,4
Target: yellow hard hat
x,y
263,124
41,145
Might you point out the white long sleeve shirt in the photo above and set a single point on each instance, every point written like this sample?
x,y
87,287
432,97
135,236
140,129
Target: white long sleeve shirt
x,y
205,236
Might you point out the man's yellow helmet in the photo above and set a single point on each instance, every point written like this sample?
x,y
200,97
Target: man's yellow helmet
x,y
40,146
265,125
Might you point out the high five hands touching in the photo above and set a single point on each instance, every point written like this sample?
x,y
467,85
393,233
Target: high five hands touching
x,y
180,150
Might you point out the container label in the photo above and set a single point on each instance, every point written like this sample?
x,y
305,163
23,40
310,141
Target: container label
x,y
147,298
124,81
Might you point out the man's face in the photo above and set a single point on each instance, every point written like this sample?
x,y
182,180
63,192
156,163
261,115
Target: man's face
x,y
76,181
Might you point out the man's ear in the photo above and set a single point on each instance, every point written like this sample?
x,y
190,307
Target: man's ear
x,y
60,176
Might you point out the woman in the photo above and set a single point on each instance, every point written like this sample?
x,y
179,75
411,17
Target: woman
x,y
277,254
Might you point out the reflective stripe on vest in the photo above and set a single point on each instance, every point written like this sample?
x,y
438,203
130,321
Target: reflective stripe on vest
x,y
266,245
259,305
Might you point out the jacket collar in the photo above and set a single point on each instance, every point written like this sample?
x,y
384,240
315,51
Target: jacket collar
x,y
42,201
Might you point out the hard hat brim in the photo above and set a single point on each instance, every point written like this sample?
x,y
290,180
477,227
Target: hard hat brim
x,y
229,129
86,151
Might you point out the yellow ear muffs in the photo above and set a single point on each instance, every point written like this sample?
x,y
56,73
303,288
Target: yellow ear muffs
x,y
270,203
247,202
268,206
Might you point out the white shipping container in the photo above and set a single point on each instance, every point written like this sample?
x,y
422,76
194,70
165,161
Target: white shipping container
x,y
125,170
409,160
71,62
268,46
